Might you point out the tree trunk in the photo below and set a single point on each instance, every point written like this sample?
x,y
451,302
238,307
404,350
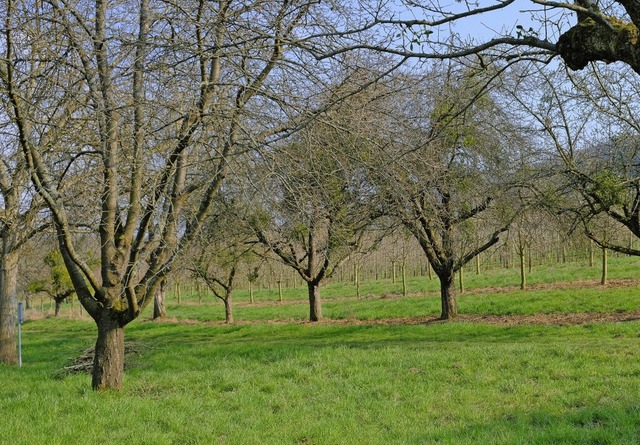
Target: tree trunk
x,y
448,296
8,308
159,309
315,308
108,362
58,306
228,309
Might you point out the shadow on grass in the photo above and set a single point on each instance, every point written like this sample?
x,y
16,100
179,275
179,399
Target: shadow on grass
x,y
602,424
366,336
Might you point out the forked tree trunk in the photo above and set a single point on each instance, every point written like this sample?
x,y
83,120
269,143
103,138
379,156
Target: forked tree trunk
x,y
448,296
8,308
108,362
315,307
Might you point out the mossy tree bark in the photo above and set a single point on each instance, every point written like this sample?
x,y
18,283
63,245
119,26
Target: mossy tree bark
x,y
108,361
608,40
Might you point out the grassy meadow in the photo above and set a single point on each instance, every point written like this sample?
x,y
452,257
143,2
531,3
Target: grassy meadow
x,y
362,377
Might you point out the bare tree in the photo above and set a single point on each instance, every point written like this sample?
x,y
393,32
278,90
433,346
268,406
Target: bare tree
x,y
449,161
591,123
19,222
225,246
317,207
148,101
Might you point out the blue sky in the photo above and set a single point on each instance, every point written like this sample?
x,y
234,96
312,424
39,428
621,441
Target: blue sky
x,y
504,21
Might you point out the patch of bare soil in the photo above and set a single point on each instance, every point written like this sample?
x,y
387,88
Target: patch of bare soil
x,y
480,291
551,319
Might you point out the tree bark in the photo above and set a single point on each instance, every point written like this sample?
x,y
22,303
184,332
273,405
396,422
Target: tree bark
x,y
108,362
159,308
448,295
8,308
228,309
315,307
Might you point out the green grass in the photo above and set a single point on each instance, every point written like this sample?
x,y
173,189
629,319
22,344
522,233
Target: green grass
x,y
300,383
593,298
382,299
450,383
619,268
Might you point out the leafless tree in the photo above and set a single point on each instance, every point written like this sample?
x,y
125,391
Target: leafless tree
x,y
20,220
146,102
590,121
316,207
451,156
225,247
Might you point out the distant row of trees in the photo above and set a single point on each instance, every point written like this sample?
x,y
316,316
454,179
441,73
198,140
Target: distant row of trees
x,y
220,269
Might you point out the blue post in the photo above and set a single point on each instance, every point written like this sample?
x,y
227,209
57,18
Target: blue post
x,y
20,321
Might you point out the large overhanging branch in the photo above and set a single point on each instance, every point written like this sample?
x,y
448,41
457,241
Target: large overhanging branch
x,y
610,246
596,37
526,42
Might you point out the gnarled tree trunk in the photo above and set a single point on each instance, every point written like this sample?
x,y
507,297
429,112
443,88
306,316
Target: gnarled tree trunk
x,y
159,308
108,362
8,308
448,295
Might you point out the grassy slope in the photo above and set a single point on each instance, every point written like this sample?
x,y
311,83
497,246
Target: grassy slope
x,y
449,383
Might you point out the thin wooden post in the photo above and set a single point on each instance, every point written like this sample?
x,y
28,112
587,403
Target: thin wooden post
x,y
393,271
605,267
404,277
